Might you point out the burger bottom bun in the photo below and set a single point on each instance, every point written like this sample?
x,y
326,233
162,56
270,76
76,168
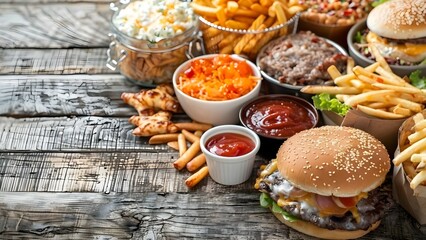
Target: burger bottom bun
x,y
312,230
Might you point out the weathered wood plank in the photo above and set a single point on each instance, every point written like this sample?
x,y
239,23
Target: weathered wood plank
x,y
73,134
62,25
103,172
158,216
54,61
54,1
59,95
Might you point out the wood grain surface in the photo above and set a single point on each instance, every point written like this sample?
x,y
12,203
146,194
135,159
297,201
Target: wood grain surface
x,y
70,167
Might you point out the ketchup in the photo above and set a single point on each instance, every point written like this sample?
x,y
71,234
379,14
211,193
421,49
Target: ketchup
x,y
229,144
278,118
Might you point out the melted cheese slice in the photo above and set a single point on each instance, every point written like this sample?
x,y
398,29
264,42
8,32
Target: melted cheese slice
x,y
407,52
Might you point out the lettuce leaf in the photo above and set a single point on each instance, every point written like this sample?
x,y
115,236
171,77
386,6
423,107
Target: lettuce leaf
x,y
417,80
327,102
359,38
267,202
378,2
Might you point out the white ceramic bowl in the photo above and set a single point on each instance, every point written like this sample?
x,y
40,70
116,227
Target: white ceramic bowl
x,y
214,112
230,170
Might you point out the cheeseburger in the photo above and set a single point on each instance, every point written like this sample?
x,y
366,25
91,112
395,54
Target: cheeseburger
x,y
327,182
398,29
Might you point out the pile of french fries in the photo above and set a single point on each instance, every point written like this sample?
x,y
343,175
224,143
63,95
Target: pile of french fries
x,y
252,15
415,168
374,90
187,143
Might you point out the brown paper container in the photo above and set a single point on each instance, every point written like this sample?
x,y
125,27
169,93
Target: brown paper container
x,y
335,33
385,130
414,201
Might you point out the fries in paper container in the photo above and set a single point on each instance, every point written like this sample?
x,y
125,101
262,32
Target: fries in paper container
x,y
372,99
409,174
244,26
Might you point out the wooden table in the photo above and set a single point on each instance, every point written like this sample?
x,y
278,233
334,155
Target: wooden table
x,y
69,165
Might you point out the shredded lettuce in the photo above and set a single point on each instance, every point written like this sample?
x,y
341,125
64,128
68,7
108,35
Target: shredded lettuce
x,y
417,80
268,202
327,102
359,38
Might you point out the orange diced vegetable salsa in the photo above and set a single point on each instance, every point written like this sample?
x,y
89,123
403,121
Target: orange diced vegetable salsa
x,y
217,79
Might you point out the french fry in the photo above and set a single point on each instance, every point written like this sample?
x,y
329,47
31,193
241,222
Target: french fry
x,y
420,125
397,88
163,138
374,77
418,179
182,144
400,110
279,12
195,178
203,10
379,113
418,157
259,8
349,65
315,89
181,162
245,3
196,162
359,84
198,133
333,72
417,118
190,136
409,151
246,38
378,105
193,126
174,145
346,78
368,96
379,58
232,6
416,136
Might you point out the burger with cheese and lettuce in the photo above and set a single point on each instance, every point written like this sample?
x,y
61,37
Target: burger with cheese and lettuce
x,y
397,28
327,182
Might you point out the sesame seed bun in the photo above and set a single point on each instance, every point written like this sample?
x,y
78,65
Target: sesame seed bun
x,y
399,19
331,160
323,233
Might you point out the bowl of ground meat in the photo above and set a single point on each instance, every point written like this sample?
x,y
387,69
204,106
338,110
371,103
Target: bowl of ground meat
x,y
291,62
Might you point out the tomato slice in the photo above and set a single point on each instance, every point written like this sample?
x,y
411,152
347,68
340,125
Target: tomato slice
x,y
326,205
345,202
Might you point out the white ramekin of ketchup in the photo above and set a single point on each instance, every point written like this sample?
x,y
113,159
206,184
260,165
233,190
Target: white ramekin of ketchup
x,y
230,152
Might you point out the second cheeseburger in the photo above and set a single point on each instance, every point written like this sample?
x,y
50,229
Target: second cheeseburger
x,y
327,182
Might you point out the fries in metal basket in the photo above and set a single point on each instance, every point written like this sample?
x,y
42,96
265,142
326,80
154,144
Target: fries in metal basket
x,y
374,90
245,25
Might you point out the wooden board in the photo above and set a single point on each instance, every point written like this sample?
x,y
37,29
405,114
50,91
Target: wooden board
x,y
69,95
54,61
158,216
70,167
106,171
61,25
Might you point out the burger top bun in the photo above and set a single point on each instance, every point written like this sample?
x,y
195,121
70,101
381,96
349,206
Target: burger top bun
x,y
399,19
332,160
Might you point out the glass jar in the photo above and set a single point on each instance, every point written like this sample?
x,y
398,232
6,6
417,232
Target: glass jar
x,y
149,63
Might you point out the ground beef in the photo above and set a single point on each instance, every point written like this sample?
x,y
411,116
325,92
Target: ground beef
x,y
301,59
371,209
